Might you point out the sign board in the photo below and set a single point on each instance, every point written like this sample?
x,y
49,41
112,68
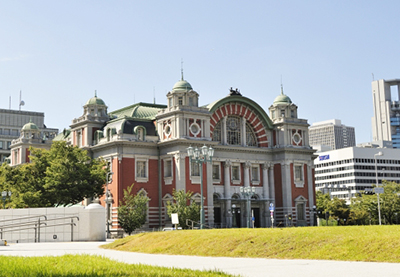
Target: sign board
x,y
271,207
379,190
174,219
324,157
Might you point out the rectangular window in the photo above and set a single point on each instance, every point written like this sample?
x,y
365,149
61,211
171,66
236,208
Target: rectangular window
x,y
170,102
235,173
298,173
141,169
191,101
1,145
180,100
8,144
216,172
195,169
167,168
255,176
300,211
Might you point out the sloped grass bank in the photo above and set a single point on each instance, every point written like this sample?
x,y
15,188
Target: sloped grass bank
x,y
352,243
88,266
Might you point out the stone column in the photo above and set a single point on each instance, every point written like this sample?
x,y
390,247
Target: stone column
x,y
310,188
246,174
271,183
223,131
286,188
266,188
227,194
180,174
246,182
243,131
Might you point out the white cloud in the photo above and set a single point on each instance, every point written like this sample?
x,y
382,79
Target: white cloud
x,y
15,58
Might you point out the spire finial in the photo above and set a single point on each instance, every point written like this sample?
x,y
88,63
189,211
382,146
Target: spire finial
x,y
95,93
281,86
181,69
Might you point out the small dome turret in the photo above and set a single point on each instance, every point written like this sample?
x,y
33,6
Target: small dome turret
x,y
30,126
95,101
282,99
182,85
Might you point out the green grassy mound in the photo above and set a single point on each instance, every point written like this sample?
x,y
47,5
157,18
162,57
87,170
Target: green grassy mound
x,y
352,243
88,266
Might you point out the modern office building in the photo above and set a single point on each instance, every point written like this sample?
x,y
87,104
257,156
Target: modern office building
x,y
386,119
146,145
331,135
345,172
11,123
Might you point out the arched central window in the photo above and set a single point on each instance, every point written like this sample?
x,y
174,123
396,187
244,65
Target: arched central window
x,y
233,130
250,136
217,132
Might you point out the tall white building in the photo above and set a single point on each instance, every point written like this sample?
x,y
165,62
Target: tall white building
x,y
351,170
386,119
11,122
331,135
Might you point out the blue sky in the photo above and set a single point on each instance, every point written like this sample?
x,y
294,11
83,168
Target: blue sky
x,y
326,53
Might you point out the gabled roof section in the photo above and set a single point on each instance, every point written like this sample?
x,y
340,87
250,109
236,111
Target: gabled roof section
x,y
64,135
241,99
139,111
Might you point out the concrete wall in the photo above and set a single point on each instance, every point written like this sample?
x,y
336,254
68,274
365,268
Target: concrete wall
x,y
91,225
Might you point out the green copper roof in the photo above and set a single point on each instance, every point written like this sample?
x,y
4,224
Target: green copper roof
x,y
63,135
182,85
241,99
139,111
95,101
282,99
30,126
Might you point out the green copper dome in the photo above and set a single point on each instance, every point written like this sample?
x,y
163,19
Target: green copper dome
x,y
282,99
182,85
30,126
95,101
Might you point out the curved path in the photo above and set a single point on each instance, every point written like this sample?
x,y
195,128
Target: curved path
x,y
236,266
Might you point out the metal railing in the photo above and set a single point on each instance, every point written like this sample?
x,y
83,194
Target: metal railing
x,y
36,225
198,223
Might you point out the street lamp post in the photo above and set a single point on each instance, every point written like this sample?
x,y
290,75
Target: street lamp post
x,y
4,195
200,157
377,185
248,192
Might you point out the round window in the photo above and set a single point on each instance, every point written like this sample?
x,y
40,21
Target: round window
x,y
297,138
194,128
167,129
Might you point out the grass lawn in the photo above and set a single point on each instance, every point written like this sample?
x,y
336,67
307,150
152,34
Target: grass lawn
x,y
351,243
87,265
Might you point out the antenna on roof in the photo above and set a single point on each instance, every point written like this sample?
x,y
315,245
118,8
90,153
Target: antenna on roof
x,y
134,101
154,95
181,69
95,93
9,103
281,86
373,78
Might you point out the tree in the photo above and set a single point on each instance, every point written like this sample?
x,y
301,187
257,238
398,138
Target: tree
x,y
132,210
184,206
60,176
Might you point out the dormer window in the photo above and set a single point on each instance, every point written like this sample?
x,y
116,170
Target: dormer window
x,y
180,100
282,113
191,101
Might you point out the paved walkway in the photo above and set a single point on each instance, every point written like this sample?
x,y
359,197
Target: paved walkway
x,y
236,266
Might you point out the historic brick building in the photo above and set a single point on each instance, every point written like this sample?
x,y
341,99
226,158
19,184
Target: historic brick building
x,y
146,145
